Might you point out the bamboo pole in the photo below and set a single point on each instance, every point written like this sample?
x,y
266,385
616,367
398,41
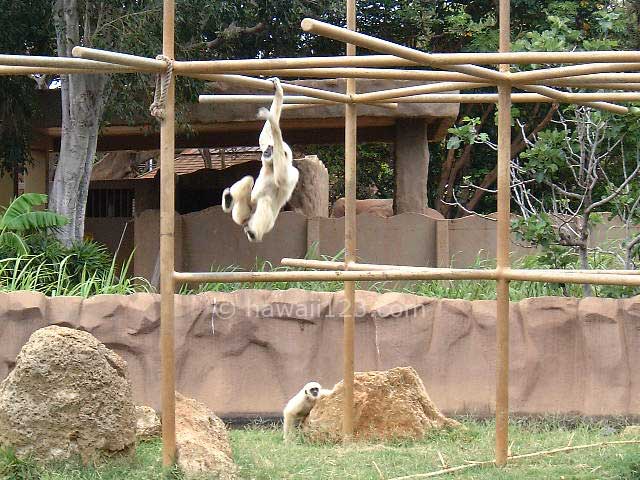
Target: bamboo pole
x,y
413,273
15,70
597,78
376,44
331,265
578,277
417,90
368,73
167,208
261,84
558,95
299,106
519,98
575,70
350,240
502,245
373,61
633,87
139,63
372,43
336,276
57,63
292,102
266,99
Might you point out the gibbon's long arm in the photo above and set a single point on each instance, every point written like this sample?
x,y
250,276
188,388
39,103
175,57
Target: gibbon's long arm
x,y
279,153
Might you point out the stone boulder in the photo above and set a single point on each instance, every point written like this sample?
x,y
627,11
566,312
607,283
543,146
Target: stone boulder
x,y
390,404
147,422
202,441
68,396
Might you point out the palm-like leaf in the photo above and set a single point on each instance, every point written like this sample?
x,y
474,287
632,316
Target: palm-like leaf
x,y
19,217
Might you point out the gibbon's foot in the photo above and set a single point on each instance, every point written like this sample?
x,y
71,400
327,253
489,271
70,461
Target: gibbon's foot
x,y
227,200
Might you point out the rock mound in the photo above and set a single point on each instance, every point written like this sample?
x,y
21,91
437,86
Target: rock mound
x,y
67,396
202,441
147,422
390,404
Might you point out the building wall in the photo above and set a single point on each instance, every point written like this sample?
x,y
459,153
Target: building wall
x,y
210,240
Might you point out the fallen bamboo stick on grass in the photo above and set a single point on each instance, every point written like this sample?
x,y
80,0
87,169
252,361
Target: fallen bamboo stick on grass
x,y
485,463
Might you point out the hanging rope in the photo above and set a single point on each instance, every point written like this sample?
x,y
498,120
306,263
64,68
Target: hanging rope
x,y
163,80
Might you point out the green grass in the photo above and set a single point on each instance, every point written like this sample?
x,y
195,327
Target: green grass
x,y
261,455
460,289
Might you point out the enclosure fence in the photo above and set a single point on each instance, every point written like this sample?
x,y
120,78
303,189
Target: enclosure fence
x,y
602,70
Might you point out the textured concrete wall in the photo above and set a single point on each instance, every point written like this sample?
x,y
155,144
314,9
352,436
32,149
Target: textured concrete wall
x,y
254,349
210,239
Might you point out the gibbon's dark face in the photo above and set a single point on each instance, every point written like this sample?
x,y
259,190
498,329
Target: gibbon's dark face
x,y
268,153
314,391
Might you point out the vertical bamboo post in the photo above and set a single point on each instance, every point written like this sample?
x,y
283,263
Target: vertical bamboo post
x,y
167,194
504,198
350,132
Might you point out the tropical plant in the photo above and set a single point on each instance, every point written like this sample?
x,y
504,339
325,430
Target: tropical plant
x,y
19,219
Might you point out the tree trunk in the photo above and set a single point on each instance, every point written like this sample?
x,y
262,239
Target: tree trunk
x,y
82,107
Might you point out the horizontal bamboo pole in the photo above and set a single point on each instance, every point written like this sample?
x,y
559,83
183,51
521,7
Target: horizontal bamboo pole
x,y
247,65
417,90
516,98
57,63
141,63
300,106
597,78
259,99
368,61
546,276
384,46
368,73
564,96
567,276
14,70
336,276
262,84
633,87
292,102
331,265
575,70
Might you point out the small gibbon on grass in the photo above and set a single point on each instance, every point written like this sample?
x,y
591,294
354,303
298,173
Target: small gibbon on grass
x,y
300,405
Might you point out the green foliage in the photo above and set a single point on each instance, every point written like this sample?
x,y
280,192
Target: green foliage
x,y
375,177
66,277
465,134
25,29
34,260
19,219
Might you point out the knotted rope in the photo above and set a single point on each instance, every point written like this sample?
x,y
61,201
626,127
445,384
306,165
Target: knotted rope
x,y
163,80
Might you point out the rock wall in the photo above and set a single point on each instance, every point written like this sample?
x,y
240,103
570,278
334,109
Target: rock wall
x,y
247,352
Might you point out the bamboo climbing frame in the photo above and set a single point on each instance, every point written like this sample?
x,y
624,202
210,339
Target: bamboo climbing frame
x,y
456,72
